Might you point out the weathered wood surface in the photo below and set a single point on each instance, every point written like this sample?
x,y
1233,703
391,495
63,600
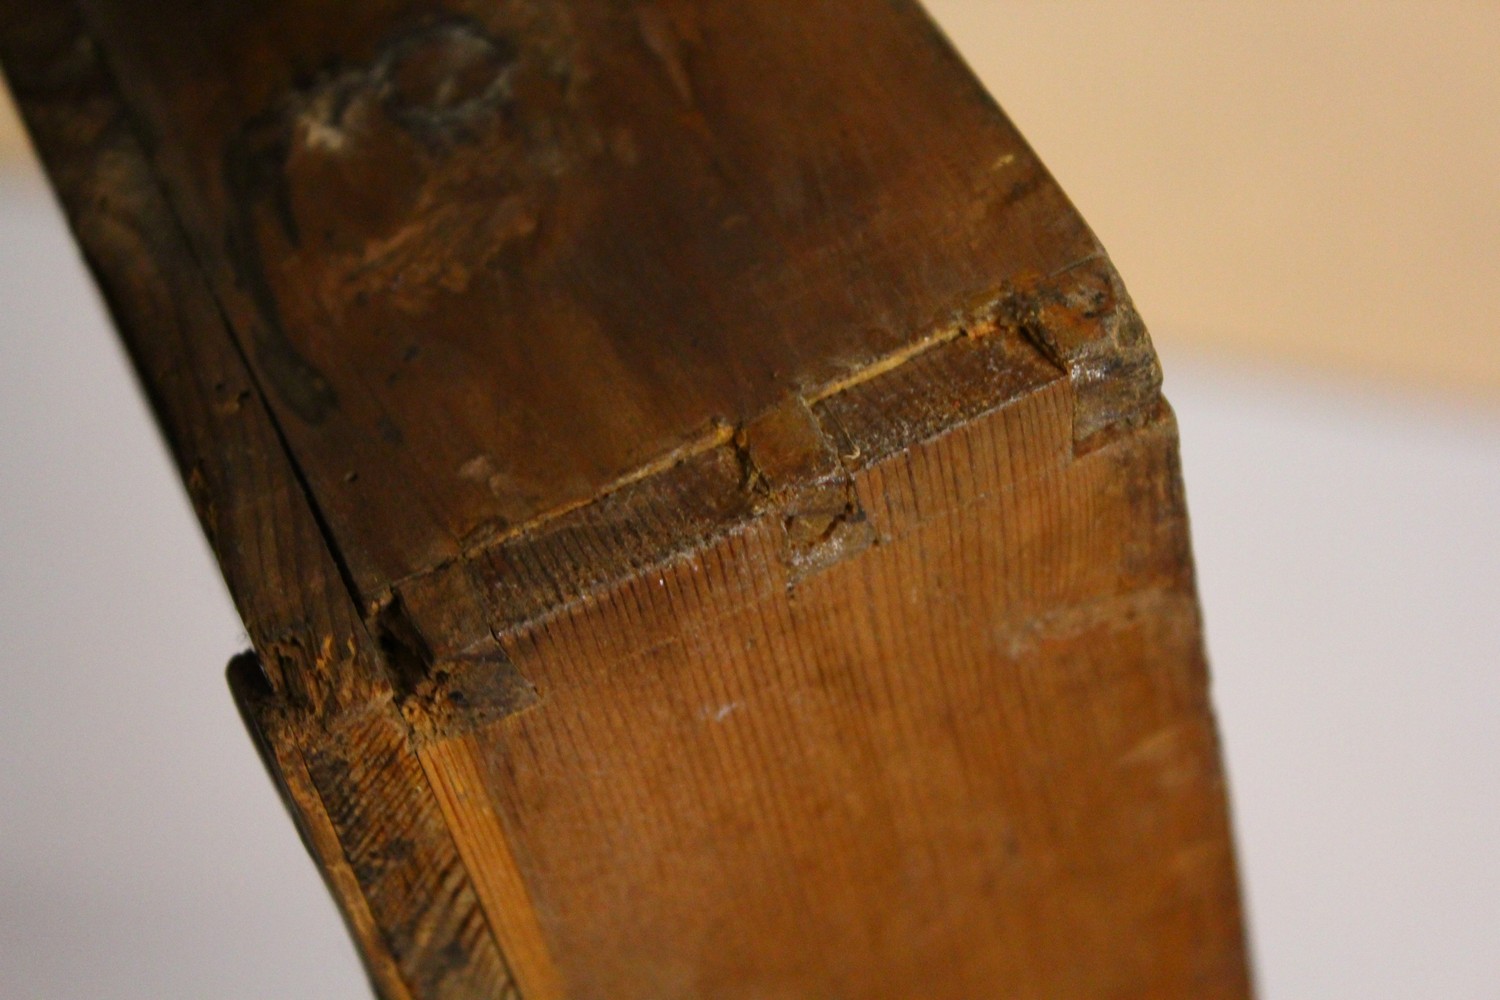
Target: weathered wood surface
x,y
698,492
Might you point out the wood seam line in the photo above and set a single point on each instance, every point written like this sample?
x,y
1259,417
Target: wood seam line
x,y
451,765
131,146
191,250
178,236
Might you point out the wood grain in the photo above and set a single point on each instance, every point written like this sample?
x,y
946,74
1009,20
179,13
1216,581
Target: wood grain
x,y
699,494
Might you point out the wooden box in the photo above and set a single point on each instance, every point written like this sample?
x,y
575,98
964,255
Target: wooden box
x,y
698,492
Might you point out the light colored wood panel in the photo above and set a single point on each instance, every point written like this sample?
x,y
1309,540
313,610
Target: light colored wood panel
x,y
974,756
451,766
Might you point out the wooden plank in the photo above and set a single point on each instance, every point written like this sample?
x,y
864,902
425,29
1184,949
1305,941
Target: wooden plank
x,y
699,494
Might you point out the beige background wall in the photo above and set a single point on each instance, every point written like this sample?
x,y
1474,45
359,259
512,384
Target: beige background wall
x,y
1316,183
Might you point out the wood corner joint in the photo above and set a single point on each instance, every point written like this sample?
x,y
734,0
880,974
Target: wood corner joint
x,y
1082,320
445,695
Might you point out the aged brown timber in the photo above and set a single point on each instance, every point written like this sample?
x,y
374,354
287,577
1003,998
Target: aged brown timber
x,y
698,492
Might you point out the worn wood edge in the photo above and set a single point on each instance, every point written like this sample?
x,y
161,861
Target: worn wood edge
x,y
1084,321
453,769
359,797
1081,319
265,719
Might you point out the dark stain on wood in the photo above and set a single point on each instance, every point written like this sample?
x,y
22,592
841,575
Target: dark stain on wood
x,y
513,189
456,692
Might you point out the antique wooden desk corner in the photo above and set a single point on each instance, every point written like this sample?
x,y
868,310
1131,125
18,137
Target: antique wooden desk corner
x,y
699,494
